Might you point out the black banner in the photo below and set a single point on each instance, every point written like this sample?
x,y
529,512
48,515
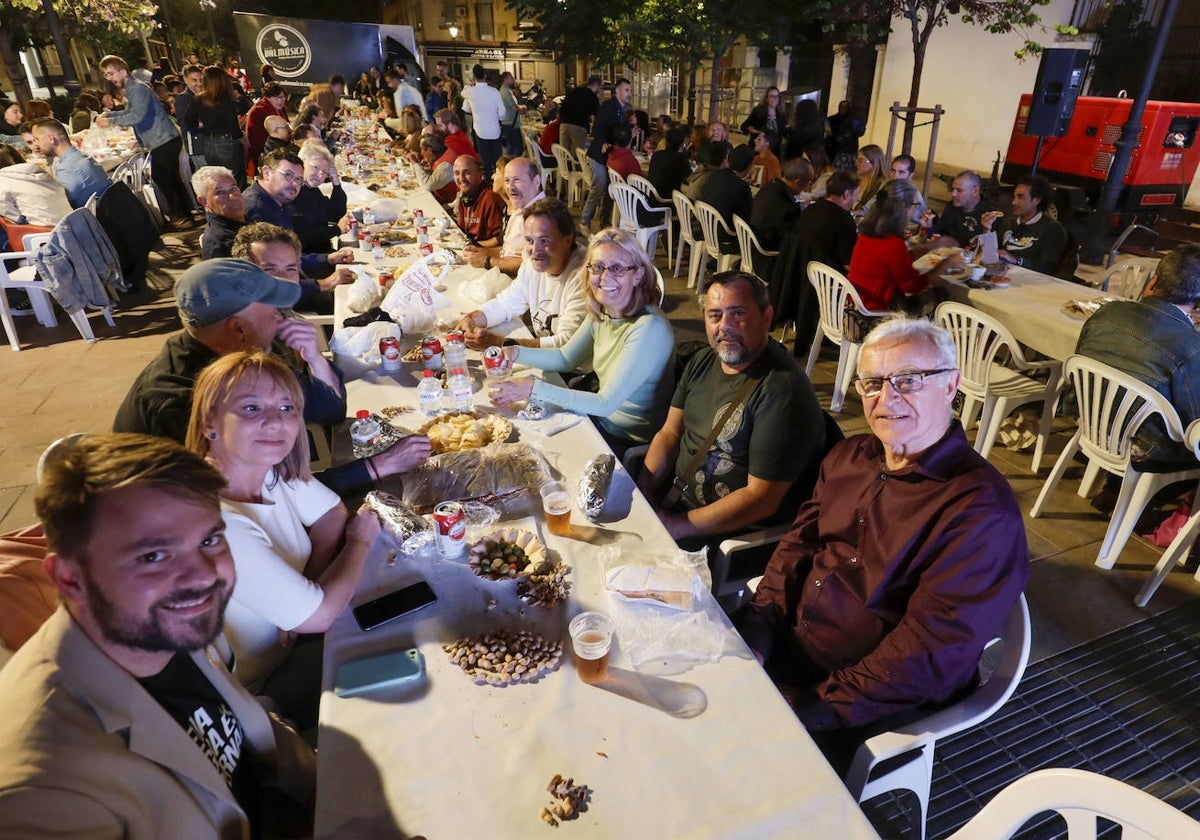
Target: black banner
x,y
306,51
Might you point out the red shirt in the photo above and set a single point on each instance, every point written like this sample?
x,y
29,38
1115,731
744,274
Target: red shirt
x,y
550,135
449,192
255,130
461,144
621,160
483,218
881,269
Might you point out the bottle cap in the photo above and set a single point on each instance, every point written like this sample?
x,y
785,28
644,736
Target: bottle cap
x,y
427,374
362,414
457,371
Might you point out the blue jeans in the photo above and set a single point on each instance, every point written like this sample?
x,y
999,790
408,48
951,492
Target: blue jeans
x,y
597,196
489,153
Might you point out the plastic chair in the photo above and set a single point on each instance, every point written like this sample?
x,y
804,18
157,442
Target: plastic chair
x,y
1181,546
320,456
25,278
686,212
998,388
627,202
1079,797
642,184
571,184
615,177
921,737
833,290
748,244
20,238
1129,279
1112,406
713,226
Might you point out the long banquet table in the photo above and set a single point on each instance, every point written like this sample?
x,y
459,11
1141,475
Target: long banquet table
x,y
711,751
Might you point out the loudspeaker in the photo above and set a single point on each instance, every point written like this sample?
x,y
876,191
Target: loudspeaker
x,y
1059,80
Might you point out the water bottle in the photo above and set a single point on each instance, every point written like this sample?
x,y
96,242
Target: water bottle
x,y
455,355
461,398
429,394
379,257
368,216
364,431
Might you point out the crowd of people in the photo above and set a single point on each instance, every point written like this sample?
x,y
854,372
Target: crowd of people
x,y
199,512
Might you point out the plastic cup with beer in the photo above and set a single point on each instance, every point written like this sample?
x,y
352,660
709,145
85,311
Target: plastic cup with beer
x,y
556,504
591,639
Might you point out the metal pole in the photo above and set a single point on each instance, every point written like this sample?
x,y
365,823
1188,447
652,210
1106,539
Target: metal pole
x,y
933,135
1093,251
70,78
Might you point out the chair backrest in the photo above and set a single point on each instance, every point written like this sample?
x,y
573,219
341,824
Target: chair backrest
x,y
644,185
563,157
1112,406
627,200
713,226
748,243
978,339
615,177
831,287
1079,796
756,174
686,211
584,164
662,286
1129,279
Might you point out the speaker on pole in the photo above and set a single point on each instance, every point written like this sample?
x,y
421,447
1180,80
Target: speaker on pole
x,y
1059,80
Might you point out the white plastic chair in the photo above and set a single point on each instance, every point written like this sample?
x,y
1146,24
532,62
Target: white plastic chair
x,y
643,185
1079,797
833,289
998,388
615,177
922,736
686,211
25,278
1129,279
1112,406
713,227
585,169
570,179
1179,549
627,201
748,244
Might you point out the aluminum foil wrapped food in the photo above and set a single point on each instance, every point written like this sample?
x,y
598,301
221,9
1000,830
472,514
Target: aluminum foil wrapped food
x,y
593,486
408,529
389,436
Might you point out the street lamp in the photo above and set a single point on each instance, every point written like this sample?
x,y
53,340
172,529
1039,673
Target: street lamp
x,y
454,49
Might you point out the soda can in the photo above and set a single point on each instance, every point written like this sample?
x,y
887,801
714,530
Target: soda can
x,y
354,229
386,278
450,529
456,335
389,349
365,242
495,364
431,352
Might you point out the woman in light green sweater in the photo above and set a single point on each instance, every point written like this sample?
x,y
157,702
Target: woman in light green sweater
x,y
627,338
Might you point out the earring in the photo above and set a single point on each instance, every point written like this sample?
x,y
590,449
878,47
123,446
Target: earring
x,y
212,435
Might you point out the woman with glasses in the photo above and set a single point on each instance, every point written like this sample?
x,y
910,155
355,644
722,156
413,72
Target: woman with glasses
x,y
872,175
627,338
881,268
767,116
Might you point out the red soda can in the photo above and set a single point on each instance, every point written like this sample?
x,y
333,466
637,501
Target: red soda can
x,y
389,349
450,526
431,352
456,335
365,242
495,364
386,278
354,228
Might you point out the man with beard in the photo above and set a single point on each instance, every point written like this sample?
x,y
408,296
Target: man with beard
x,y
744,432
119,719
480,212
524,186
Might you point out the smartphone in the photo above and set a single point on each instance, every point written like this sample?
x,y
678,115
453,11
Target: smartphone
x,y
376,672
394,605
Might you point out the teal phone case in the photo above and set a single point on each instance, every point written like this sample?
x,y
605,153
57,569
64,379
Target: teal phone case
x,y
377,672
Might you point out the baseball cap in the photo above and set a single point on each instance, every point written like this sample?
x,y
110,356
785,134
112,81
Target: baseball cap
x,y
212,290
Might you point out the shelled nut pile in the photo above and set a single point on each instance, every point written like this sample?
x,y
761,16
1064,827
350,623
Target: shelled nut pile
x,y
572,799
546,586
505,657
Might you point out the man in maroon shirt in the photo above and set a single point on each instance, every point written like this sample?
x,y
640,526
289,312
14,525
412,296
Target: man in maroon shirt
x,y
877,604
480,211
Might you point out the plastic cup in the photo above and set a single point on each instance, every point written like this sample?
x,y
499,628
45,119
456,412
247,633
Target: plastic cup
x,y
591,639
977,272
556,505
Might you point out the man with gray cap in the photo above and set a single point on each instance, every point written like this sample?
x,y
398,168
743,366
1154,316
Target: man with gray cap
x,y
228,305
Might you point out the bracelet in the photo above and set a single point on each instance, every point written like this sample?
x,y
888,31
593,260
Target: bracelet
x,y
487,263
509,342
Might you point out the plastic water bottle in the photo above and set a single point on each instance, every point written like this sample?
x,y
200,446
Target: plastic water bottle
x,y
368,216
364,431
455,355
429,394
379,257
461,398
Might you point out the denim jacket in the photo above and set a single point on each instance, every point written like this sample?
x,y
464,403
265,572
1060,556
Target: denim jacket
x,y
145,114
1155,342
80,176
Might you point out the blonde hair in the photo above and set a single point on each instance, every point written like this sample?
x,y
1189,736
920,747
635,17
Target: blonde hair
x,y
217,382
646,290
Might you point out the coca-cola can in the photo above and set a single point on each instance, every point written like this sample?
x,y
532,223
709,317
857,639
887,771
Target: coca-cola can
x,y
365,241
425,248
495,364
431,352
389,349
456,335
354,229
450,529
386,278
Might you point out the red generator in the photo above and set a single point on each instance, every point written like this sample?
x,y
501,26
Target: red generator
x,y
1160,170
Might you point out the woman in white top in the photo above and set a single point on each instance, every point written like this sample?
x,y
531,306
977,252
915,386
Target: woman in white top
x,y
298,553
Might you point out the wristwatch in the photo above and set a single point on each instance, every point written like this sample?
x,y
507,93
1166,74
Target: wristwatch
x,y
487,262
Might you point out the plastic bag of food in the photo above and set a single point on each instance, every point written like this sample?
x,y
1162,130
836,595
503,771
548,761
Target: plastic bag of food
x,y
490,474
413,300
409,530
593,485
362,343
486,286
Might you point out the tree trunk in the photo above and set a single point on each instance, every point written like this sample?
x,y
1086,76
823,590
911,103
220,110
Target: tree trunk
x,y
691,94
16,72
914,96
712,89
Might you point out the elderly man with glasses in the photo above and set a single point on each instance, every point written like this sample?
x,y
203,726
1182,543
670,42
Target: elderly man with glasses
x,y
905,563
316,217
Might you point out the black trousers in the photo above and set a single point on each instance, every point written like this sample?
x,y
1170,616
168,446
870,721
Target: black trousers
x,y
164,169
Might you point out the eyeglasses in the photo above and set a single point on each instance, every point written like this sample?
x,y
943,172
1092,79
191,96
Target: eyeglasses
x,y
289,177
902,383
616,270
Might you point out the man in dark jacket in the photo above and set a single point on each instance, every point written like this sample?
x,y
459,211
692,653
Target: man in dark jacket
x,y
224,210
608,116
575,115
777,205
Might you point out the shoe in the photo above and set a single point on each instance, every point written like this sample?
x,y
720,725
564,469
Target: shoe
x,y
369,317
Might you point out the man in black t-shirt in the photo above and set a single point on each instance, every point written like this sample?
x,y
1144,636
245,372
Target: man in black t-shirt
x,y
961,220
118,718
575,115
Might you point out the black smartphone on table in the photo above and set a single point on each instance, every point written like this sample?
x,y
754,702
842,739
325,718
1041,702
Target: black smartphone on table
x,y
394,605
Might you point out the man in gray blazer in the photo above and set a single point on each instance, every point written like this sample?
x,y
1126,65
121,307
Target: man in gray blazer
x,y
118,718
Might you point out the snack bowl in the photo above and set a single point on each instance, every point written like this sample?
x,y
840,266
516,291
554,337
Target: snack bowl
x,y
457,430
996,269
505,555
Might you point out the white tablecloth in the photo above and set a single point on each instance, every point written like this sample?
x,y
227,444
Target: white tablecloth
x,y
712,752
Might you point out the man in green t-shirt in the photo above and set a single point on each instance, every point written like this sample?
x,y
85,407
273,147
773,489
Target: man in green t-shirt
x,y
770,446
